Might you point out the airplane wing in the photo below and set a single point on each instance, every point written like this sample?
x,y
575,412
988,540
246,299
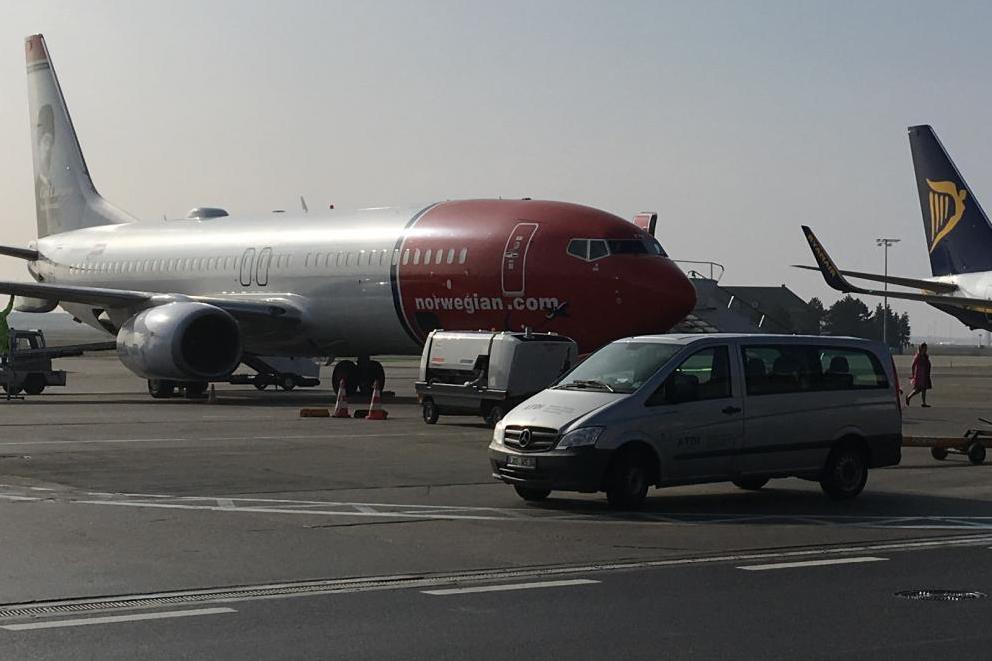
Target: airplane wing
x,y
836,280
250,306
20,253
928,285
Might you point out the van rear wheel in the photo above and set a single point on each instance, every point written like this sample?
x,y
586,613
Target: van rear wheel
x,y
845,473
531,494
751,483
627,482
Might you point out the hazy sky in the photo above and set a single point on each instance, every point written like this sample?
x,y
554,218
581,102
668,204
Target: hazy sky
x,y
736,121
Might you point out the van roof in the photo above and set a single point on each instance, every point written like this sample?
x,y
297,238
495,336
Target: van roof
x,y
689,338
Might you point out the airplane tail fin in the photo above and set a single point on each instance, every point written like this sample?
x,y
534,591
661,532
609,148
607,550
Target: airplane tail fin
x,y
65,197
958,232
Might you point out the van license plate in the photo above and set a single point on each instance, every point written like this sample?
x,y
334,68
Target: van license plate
x,y
521,462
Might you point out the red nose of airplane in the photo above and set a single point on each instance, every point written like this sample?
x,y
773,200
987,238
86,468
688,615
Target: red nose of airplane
x,y
657,295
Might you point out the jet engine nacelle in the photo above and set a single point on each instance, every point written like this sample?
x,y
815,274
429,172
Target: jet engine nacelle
x,y
184,341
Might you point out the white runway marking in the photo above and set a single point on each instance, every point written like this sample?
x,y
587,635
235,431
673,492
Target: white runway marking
x,y
184,439
113,619
512,586
811,563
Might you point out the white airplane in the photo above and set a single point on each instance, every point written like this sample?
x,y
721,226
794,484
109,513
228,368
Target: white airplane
x,y
958,234
189,300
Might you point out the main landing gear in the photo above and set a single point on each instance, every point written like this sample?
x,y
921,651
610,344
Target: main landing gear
x,y
359,378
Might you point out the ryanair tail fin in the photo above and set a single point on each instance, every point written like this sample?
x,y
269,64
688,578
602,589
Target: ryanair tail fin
x,y
64,193
959,236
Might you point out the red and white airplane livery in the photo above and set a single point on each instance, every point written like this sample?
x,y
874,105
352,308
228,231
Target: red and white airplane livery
x,y
188,300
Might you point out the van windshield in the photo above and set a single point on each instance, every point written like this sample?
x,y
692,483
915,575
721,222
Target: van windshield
x,y
619,367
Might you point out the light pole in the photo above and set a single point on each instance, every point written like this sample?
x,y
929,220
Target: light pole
x,y
885,243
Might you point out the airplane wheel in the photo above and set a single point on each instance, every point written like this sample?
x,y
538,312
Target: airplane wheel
x,y
375,373
938,453
976,453
348,371
195,389
160,388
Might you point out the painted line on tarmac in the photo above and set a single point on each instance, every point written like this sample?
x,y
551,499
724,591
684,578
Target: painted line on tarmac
x,y
265,591
512,586
114,619
811,563
188,439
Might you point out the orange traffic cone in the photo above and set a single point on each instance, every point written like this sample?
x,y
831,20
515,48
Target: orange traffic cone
x,y
341,405
375,408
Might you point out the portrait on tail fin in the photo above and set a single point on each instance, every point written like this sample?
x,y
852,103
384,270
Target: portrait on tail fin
x,y
946,209
44,186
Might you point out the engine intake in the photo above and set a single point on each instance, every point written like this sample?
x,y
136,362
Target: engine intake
x,y
184,341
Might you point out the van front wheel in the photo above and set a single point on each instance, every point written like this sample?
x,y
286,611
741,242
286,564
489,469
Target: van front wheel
x,y
750,483
531,494
627,482
845,473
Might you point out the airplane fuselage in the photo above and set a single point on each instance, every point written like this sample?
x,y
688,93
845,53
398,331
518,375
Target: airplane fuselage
x,y
376,281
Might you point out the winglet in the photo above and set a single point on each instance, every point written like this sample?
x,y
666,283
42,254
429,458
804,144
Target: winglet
x,y
828,269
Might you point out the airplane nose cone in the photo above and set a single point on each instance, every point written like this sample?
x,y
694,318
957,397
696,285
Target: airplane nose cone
x,y
675,295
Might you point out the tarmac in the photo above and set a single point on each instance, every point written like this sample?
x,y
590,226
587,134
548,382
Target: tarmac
x,y
174,528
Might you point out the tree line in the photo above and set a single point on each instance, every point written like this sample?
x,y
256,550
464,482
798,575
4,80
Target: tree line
x,y
850,316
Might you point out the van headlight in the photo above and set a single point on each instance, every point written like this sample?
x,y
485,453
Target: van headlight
x,y
498,433
579,438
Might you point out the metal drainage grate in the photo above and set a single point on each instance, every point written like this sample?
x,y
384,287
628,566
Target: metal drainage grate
x,y
941,595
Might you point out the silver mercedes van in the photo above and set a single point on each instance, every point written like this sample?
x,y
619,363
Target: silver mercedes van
x,y
666,410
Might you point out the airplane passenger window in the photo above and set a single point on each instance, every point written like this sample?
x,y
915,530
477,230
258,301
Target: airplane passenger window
x,y
463,255
597,249
451,255
427,256
406,256
416,256
396,256
347,258
439,256
579,248
382,257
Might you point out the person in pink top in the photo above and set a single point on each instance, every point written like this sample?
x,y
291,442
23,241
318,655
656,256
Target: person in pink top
x,y
921,375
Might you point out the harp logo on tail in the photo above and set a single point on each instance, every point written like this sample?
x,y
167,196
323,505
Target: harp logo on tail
x,y
946,209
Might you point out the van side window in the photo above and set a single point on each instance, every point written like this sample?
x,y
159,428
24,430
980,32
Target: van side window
x,y
850,369
703,375
791,368
780,369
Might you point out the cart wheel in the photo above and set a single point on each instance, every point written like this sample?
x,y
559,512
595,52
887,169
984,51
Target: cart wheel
x,y
938,453
494,415
976,453
34,384
287,382
430,412
260,385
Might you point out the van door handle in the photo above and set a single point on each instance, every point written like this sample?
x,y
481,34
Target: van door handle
x,y
730,410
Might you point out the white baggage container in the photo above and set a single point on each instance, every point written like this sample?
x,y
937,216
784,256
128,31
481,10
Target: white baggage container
x,y
488,373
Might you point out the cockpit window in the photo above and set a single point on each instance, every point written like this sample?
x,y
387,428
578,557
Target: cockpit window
x,y
578,248
591,250
597,249
627,247
655,248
